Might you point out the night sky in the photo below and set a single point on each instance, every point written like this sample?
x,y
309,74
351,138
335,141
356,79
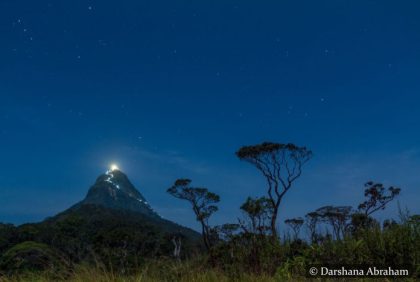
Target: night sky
x,y
171,89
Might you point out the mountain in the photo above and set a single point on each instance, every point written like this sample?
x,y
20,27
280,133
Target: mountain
x,y
114,190
113,224
115,196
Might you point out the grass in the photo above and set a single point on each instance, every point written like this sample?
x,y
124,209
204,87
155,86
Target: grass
x,y
90,274
166,272
398,244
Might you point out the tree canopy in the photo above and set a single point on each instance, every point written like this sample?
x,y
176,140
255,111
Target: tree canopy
x,y
281,165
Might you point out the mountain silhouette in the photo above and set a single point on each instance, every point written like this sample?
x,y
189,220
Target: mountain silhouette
x,y
113,195
112,224
114,190
115,210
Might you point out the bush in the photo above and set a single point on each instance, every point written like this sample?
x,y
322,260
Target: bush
x,y
32,257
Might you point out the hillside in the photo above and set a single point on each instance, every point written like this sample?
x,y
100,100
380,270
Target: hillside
x,y
113,223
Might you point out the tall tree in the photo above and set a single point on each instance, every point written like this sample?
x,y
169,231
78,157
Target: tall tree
x,y
202,202
281,165
377,198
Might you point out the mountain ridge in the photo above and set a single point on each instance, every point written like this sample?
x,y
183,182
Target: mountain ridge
x,y
114,190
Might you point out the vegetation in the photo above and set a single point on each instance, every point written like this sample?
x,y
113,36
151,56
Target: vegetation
x,y
92,243
202,202
281,165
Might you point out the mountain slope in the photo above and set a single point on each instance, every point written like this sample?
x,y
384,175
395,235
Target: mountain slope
x,y
114,226
114,195
114,190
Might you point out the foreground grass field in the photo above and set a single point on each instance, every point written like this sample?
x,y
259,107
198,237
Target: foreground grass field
x,y
166,271
92,275
157,271
398,244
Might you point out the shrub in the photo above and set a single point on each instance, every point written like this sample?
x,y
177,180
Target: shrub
x,y
32,256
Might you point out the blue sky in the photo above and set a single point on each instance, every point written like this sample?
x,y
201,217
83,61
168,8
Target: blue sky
x,y
171,89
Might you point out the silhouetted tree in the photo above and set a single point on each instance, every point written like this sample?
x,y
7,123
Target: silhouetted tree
x,y
338,217
312,220
295,224
202,202
376,197
258,212
360,221
281,165
257,223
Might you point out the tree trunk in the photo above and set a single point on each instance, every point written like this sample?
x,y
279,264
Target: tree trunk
x,y
205,236
273,222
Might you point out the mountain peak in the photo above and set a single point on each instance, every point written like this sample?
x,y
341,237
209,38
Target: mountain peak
x,y
114,167
114,190
116,179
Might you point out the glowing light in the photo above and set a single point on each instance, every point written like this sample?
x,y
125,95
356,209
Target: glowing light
x,y
114,167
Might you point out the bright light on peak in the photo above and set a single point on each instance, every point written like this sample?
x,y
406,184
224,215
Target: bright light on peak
x,y
114,167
